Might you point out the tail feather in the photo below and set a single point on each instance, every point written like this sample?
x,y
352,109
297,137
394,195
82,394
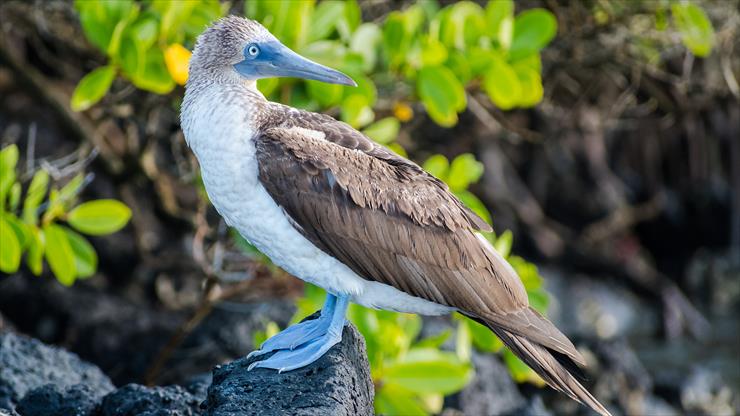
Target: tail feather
x,y
558,370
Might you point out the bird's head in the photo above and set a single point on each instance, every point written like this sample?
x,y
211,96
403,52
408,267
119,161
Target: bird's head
x,y
235,49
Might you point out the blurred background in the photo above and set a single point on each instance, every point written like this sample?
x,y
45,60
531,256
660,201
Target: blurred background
x,y
600,138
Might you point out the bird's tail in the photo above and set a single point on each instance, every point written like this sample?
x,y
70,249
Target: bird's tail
x,y
557,369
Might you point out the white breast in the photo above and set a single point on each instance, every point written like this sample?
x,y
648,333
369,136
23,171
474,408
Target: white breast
x,y
218,127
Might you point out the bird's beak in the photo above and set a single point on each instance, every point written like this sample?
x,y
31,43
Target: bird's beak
x,y
277,60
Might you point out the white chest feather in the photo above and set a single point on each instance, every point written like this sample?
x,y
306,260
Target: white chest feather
x,y
219,130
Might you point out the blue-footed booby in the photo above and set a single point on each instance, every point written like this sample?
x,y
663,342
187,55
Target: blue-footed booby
x,y
332,207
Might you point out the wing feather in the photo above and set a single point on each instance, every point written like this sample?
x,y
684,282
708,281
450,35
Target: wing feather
x,y
391,222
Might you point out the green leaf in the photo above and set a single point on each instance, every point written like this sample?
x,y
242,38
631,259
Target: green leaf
x,y
20,229
533,30
153,74
383,131
395,39
14,197
10,250
8,161
531,86
356,111
365,41
435,341
86,260
503,244
438,166
35,253
500,19
324,20
327,95
696,30
100,20
502,84
483,338
432,371
441,93
391,399
463,342
59,254
464,170
92,87
34,196
461,25
104,216
69,191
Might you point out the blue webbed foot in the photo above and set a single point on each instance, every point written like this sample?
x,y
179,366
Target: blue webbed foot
x,y
304,343
287,359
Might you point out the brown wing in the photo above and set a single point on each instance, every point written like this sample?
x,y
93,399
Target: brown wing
x,y
391,222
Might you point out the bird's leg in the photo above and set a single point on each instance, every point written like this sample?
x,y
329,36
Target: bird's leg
x,y
308,352
300,333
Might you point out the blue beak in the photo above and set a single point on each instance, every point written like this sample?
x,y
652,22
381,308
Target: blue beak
x,y
273,59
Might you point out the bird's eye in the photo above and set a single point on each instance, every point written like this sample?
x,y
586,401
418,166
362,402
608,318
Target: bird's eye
x,y
253,50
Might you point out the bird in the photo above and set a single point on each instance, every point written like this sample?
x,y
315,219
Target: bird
x,y
337,210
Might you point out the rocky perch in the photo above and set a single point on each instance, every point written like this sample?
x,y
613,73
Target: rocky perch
x,y
37,379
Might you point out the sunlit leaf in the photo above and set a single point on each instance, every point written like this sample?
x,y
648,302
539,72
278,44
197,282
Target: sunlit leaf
x,y
696,30
34,196
463,342
356,111
365,41
500,19
503,243
92,87
327,95
533,30
100,19
35,254
502,84
153,75
86,260
59,254
442,94
391,399
22,233
8,161
464,170
10,250
430,371
324,19
100,217
383,131
483,338
438,166
531,86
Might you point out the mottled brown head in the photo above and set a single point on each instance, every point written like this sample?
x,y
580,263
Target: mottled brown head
x,y
235,49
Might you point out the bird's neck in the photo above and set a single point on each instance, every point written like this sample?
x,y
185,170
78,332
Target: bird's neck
x,y
217,112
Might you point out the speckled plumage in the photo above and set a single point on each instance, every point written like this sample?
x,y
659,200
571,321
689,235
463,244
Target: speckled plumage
x,y
335,209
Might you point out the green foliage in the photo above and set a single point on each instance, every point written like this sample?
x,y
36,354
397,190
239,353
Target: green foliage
x,y
688,20
38,232
135,36
696,30
434,53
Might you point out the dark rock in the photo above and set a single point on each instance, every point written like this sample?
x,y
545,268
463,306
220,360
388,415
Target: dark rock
x,y
492,391
26,364
339,383
198,385
51,400
534,407
137,400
